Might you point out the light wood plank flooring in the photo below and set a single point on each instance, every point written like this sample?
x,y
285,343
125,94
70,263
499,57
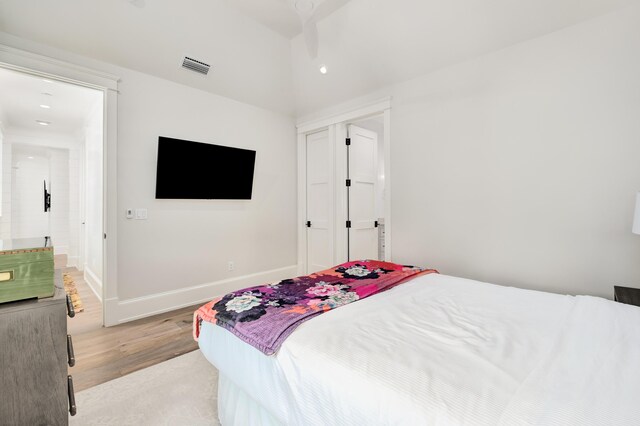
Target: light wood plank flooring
x,y
109,353
104,354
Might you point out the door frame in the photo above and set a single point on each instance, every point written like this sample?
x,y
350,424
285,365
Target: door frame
x,y
50,68
337,124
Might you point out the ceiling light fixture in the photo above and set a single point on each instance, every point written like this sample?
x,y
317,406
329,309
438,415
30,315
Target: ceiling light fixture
x,y
43,123
323,69
47,81
44,106
30,157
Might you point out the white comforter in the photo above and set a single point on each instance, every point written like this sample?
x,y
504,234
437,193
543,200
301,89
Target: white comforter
x,y
441,350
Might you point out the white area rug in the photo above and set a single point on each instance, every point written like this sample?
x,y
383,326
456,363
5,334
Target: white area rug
x,y
181,391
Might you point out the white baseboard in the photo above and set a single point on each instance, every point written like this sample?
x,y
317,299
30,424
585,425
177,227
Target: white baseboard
x,y
73,262
120,311
95,283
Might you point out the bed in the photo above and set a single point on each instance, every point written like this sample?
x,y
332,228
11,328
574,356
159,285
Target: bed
x,y
440,350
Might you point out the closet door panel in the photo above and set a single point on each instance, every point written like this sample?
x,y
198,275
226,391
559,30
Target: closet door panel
x,y
319,202
363,165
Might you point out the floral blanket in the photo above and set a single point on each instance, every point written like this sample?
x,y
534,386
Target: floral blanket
x,y
264,316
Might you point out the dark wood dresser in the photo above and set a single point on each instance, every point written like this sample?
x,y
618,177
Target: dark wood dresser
x,y
35,353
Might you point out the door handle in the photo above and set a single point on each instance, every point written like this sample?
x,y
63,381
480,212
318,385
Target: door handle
x,y
308,224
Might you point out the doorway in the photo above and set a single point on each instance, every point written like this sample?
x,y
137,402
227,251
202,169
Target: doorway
x,y
343,188
51,137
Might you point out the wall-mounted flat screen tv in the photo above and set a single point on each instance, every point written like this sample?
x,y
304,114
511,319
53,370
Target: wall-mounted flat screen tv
x,y
201,171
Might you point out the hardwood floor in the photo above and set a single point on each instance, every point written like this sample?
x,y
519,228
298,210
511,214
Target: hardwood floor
x,y
109,353
104,354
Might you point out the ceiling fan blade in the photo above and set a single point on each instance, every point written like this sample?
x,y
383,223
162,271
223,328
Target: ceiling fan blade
x,y
310,32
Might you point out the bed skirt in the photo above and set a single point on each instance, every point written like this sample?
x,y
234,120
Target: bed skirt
x,y
235,407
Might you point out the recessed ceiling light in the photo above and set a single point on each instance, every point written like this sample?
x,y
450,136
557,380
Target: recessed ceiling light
x,y
43,123
46,81
30,157
45,106
323,69
47,94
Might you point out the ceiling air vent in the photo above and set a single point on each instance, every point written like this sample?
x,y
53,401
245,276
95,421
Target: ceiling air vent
x,y
195,65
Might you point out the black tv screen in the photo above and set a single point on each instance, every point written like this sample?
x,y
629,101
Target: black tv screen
x,y
194,170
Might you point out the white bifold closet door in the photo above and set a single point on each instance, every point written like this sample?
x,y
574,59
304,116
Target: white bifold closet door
x,y
320,229
362,171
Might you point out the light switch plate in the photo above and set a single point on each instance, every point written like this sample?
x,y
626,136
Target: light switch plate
x,y
141,214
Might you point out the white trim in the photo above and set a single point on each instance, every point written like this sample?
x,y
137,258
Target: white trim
x,y
94,283
387,185
341,192
362,111
141,307
302,203
110,80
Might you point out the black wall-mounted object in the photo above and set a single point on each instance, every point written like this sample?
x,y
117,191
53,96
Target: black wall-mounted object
x,y
201,171
47,198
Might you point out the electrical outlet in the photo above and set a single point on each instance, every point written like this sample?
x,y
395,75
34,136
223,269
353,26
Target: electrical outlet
x,y
230,265
129,213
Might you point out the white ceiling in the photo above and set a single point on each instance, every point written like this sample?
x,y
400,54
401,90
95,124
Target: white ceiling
x,y
367,44
249,62
280,16
22,95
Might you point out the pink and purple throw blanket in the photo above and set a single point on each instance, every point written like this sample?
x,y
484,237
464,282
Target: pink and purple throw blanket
x,y
264,316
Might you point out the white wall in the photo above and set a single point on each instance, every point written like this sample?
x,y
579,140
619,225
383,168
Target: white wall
x,y
31,165
179,255
59,188
76,182
2,169
188,242
93,200
521,167
7,177
28,218
58,148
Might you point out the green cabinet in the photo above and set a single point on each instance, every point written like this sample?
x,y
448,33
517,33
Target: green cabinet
x,y
26,269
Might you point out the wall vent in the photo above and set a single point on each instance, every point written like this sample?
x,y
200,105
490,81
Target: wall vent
x,y
195,65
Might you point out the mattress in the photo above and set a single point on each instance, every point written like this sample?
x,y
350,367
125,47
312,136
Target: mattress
x,y
446,350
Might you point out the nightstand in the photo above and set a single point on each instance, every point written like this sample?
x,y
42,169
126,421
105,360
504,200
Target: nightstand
x,y
628,295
